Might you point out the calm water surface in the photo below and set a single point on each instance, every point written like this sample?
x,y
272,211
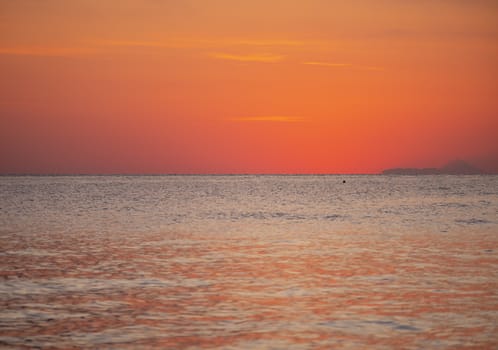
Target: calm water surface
x,y
249,262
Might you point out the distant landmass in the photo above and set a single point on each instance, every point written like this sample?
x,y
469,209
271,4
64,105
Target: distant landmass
x,y
456,167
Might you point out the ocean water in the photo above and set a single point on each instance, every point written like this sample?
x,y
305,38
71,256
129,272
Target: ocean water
x,y
249,262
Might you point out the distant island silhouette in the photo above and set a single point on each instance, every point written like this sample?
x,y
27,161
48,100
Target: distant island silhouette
x,y
456,167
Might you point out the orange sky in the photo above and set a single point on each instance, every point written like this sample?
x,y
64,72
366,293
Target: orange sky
x,y
259,86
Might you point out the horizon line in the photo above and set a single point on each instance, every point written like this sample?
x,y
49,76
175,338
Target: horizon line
x,y
175,174
214,174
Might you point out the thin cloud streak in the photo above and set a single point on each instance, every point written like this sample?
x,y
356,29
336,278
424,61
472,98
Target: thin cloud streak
x,y
267,58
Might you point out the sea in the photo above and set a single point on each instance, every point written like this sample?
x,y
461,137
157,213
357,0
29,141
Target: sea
x,y
249,262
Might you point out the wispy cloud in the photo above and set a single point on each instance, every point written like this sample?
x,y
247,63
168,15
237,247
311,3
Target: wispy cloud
x,y
274,118
47,51
268,58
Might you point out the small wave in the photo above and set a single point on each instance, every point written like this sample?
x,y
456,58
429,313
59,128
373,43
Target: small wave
x,y
394,325
453,205
333,217
269,215
472,221
371,325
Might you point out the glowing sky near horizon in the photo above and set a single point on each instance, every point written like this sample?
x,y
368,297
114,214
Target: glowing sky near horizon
x,y
259,86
